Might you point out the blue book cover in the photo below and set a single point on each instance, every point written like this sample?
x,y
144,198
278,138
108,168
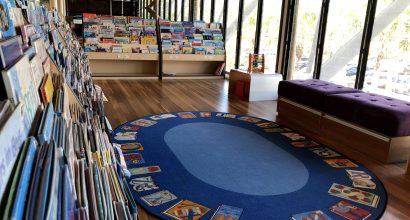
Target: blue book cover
x,y
311,215
10,51
68,202
46,124
21,195
7,25
11,138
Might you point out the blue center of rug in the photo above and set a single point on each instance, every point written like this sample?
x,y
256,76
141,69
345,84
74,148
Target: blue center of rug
x,y
236,159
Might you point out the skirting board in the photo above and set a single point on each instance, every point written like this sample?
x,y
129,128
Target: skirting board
x,y
339,134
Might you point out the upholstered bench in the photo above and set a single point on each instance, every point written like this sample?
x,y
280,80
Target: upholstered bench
x,y
345,118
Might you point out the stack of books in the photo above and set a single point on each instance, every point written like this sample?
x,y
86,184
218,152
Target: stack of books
x,y
56,158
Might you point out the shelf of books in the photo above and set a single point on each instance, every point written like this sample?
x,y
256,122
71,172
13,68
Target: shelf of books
x,y
127,46
56,157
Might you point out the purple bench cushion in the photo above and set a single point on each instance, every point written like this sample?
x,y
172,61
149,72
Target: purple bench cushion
x,y
311,92
382,114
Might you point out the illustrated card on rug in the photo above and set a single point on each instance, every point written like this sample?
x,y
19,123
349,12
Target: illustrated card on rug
x,y
158,198
130,128
312,215
126,136
131,147
145,170
294,136
358,174
134,158
205,114
350,211
186,210
162,116
355,195
144,122
267,125
363,183
186,115
226,115
249,119
276,130
303,144
324,152
227,212
340,163
143,184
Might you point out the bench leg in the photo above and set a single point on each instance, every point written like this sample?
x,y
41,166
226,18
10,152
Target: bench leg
x,y
408,167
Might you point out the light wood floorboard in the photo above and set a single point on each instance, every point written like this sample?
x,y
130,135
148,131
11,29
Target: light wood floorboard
x,y
130,99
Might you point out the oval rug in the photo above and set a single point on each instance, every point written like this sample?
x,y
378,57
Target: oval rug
x,y
209,165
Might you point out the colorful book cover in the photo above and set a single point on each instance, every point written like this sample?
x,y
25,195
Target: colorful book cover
x,y
186,115
358,174
158,198
134,158
144,122
143,184
227,212
267,125
324,152
10,51
355,195
46,125
205,114
363,183
256,63
145,170
276,130
340,163
163,116
312,215
303,144
186,210
7,24
225,115
47,90
126,136
350,211
294,136
130,128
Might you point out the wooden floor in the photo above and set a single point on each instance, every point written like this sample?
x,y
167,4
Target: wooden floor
x,y
130,99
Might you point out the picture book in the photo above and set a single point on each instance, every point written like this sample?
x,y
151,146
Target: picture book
x,y
186,115
227,212
127,147
363,183
256,63
7,24
324,152
134,158
340,163
126,136
14,89
163,116
355,195
10,51
294,136
145,170
130,128
142,184
144,122
276,130
47,89
312,215
46,124
302,144
186,210
158,198
37,71
267,125
225,115
350,211
249,119
358,174
205,114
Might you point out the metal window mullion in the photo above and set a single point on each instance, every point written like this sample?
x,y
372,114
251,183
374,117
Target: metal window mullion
x,y
288,38
321,38
176,10
191,9
258,27
182,10
169,9
212,11
239,34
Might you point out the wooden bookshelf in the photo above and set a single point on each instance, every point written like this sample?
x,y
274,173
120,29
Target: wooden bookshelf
x,y
146,65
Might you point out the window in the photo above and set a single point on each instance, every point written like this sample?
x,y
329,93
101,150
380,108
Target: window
x,y
186,10
342,42
305,33
231,31
219,11
207,11
270,32
172,10
388,65
248,31
179,4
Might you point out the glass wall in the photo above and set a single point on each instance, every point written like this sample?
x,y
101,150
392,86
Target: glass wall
x,y
342,41
248,29
179,4
207,11
231,32
389,55
186,10
306,26
219,11
270,32
172,10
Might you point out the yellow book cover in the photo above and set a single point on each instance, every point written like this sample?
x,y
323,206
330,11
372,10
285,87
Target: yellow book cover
x,y
148,40
47,90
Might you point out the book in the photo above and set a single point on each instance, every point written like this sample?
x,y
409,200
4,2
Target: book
x,y
311,215
158,198
340,163
256,63
145,170
227,212
47,89
46,124
324,152
10,51
142,184
7,29
12,79
350,211
186,209
355,195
